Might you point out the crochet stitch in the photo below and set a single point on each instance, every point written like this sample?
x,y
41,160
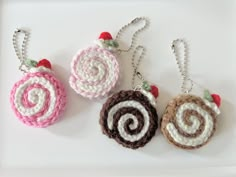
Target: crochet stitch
x,y
94,72
106,41
189,121
39,98
130,118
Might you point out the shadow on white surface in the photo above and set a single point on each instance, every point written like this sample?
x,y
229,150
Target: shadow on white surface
x,y
71,124
76,140
159,146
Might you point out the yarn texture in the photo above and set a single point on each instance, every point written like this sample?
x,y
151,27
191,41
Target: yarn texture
x,y
39,98
94,72
189,121
130,118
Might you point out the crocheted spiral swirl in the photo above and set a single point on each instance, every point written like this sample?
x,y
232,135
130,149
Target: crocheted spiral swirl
x,y
129,118
189,121
38,98
94,72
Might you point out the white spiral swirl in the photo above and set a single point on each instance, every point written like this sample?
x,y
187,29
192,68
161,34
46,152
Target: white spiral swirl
x,y
94,73
36,96
195,124
125,117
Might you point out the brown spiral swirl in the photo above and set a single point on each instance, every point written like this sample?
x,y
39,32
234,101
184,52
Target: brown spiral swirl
x,y
129,118
189,121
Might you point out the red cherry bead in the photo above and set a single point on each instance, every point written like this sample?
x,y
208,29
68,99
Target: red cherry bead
x,y
45,63
216,99
105,36
154,91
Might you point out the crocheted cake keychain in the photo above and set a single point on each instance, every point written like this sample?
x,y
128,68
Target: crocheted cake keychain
x,y
130,116
189,121
95,70
39,98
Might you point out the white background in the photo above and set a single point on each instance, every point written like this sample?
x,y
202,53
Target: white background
x,y
76,144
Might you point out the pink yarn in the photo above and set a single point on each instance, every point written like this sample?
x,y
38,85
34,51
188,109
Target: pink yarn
x,y
94,72
49,99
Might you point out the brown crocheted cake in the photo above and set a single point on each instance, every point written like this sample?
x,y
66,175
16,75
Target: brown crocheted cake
x,y
129,118
189,121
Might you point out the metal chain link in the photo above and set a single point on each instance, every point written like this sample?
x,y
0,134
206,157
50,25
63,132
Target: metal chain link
x,y
135,34
182,66
20,53
135,66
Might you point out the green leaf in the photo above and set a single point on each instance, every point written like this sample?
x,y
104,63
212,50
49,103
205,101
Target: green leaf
x,y
30,63
115,43
207,95
146,86
111,43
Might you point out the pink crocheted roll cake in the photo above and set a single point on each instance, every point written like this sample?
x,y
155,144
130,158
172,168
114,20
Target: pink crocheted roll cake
x,y
39,98
95,70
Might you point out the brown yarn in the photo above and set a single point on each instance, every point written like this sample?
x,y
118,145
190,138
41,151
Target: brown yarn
x,y
170,113
114,133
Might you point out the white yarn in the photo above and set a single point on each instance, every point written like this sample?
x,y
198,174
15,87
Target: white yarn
x,y
213,106
104,68
150,97
208,128
40,69
37,96
100,43
125,117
